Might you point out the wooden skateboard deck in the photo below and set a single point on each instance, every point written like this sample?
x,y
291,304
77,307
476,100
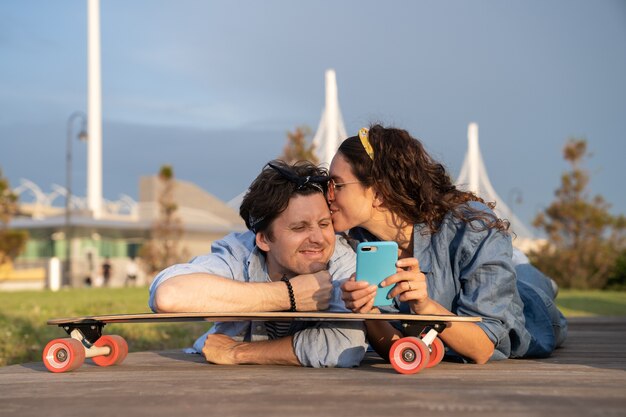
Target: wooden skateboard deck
x,y
256,316
422,348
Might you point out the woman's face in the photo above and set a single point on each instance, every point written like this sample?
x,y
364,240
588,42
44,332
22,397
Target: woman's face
x,y
351,204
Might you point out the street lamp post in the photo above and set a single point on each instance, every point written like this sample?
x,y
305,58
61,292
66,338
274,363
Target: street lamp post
x,y
82,135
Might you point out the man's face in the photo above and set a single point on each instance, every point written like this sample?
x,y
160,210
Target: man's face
x,y
303,238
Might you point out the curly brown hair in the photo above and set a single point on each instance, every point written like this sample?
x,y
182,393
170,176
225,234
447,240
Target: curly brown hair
x,y
413,185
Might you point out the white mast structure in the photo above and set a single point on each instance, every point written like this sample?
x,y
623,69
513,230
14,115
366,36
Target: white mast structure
x,y
94,110
474,178
331,130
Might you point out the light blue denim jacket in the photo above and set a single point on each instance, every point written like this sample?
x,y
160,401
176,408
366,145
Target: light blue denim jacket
x,y
470,272
321,344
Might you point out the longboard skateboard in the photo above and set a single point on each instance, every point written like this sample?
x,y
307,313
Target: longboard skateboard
x,y
408,355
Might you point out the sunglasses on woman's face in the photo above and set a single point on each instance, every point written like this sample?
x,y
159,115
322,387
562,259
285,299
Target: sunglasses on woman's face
x,y
336,187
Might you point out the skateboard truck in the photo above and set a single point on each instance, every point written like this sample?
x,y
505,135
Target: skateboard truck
x,y
426,331
86,333
416,329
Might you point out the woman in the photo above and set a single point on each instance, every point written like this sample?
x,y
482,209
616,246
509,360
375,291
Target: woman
x,y
455,255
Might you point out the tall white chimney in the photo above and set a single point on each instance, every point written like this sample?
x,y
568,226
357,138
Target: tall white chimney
x,y
94,110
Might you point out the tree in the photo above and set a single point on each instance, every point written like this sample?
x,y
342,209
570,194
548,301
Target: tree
x,y
584,239
617,278
297,148
163,249
12,242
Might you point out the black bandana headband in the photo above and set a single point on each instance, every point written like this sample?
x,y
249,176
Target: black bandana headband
x,y
316,181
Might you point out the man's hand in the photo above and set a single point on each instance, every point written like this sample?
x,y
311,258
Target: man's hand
x,y
312,291
220,349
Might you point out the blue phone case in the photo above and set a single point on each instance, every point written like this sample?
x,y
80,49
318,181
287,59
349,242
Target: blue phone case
x,y
375,261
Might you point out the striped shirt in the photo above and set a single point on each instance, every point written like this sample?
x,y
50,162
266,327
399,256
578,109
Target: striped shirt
x,y
277,329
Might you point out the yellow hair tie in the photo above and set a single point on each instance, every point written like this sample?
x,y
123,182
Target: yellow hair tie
x,y
364,136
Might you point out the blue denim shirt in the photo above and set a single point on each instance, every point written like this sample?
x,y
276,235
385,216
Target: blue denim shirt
x,y
470,272
321,344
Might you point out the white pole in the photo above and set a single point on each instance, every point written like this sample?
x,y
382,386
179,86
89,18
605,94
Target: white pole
x,y
54,274
94,149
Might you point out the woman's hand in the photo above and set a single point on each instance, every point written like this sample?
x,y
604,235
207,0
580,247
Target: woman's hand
x,y
358,296
410,285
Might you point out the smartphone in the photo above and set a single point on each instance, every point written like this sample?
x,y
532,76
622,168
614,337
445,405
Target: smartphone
x,y
376,261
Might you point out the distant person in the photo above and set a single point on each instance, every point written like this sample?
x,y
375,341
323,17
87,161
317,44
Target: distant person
x,y
289,260
455,254
131,272
89,278
106,271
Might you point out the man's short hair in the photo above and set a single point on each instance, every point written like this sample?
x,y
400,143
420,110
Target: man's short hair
x,y
269,194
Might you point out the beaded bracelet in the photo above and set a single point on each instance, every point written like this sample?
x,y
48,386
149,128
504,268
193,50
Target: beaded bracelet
x,y
292,298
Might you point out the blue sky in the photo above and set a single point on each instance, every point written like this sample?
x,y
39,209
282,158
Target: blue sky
x,y
212,86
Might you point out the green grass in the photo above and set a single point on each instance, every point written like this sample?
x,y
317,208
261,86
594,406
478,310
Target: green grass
x,y
576,303
24,332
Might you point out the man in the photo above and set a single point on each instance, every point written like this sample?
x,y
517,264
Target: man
x,y
289,260
106,271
